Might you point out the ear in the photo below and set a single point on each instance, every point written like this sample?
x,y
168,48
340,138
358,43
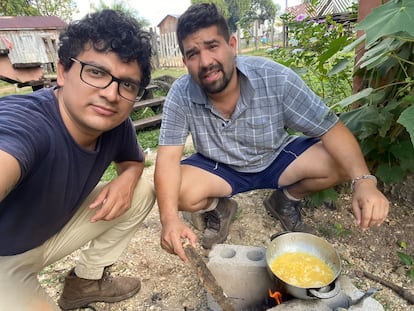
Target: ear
x,y
60,74
233,44
184,61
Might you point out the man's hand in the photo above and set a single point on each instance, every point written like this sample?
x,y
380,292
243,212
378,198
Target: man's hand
x,y
369,205
114,200
172,237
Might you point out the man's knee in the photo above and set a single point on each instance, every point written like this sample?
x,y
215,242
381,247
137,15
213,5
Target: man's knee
x,y
144,196
190,203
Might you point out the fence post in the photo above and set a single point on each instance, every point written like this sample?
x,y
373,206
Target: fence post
x,y
154,43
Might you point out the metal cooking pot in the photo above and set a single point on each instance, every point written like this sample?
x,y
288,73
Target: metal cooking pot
x,y
304,242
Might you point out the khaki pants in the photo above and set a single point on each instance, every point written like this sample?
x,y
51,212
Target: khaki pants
x,y
20,289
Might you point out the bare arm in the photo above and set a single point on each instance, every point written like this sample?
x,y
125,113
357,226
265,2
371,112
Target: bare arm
x,y
167,184
10,173
116,197
369,205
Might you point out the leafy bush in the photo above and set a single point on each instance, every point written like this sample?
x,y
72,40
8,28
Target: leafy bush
x,y
383,121
312,51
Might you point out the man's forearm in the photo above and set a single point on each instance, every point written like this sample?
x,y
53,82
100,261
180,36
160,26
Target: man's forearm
x,y
132,169
344,148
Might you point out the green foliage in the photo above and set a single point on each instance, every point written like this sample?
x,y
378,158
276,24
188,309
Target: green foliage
x,y
394,17
335,229
110,173
237,9
340,230
407,261
383,120
147,140
220,4
260,10
313,50
172,71
122,6
61,8
244,12
142,113
327,196
259,52
17,8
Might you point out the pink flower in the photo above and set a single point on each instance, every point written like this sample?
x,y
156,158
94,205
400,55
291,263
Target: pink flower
x,y
301,17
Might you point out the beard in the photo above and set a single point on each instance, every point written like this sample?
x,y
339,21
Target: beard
x,y
218,85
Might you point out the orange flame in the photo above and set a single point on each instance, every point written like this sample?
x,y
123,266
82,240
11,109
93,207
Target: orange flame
x,y
276,296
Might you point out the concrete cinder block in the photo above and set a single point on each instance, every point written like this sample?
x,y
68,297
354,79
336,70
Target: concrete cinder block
x,y
242,273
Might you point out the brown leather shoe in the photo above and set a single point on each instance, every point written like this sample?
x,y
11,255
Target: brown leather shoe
x,y
218,222
78,292
287,211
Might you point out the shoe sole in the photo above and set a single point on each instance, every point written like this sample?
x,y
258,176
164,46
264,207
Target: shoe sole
x,y
84,302
232,216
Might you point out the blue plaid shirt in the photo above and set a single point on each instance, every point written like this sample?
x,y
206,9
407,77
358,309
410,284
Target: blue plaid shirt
x,y
273,98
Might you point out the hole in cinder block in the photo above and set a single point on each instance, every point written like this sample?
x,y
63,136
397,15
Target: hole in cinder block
x,y
228,253
255,255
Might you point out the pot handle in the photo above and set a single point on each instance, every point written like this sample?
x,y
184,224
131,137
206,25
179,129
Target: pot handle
x,y
275,235
329,294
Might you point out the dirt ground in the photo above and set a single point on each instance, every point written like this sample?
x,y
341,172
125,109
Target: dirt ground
x,y
168,284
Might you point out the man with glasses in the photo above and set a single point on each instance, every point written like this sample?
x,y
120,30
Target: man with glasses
x,y
55,145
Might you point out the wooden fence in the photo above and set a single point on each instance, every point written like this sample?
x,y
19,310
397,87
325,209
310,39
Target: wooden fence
x,y
169,54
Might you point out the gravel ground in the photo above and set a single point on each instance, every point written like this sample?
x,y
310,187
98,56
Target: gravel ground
x,y
168,284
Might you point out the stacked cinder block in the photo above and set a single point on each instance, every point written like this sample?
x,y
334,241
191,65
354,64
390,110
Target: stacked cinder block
x,y
242,273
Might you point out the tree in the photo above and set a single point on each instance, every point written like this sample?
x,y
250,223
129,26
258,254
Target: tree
x,y
259,12
17,8
232,10
220,4
122,6
237,9
61,8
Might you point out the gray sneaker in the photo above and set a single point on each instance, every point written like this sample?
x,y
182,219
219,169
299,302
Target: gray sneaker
x,y
287,211
218,222
197,219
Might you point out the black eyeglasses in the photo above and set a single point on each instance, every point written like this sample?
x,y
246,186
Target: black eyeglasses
x,y
101,79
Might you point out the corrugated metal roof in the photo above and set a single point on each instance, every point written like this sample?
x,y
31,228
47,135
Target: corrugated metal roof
x,y
323,8
31,22
326,7
29,48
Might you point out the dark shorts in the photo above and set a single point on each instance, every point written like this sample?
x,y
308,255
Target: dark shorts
x,y
266,179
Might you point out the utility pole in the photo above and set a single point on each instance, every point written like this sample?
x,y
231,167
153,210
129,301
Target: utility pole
x,y
285,27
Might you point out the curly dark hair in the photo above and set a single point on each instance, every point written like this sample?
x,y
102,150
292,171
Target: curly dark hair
x,y
199,16
108,30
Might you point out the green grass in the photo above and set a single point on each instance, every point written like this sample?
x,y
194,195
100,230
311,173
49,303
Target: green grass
x,y
173,72
9,89
259,52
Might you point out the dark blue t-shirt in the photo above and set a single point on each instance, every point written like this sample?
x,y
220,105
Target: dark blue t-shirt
x,y
56,173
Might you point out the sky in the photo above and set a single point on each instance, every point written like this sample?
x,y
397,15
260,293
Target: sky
x,y
155,10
